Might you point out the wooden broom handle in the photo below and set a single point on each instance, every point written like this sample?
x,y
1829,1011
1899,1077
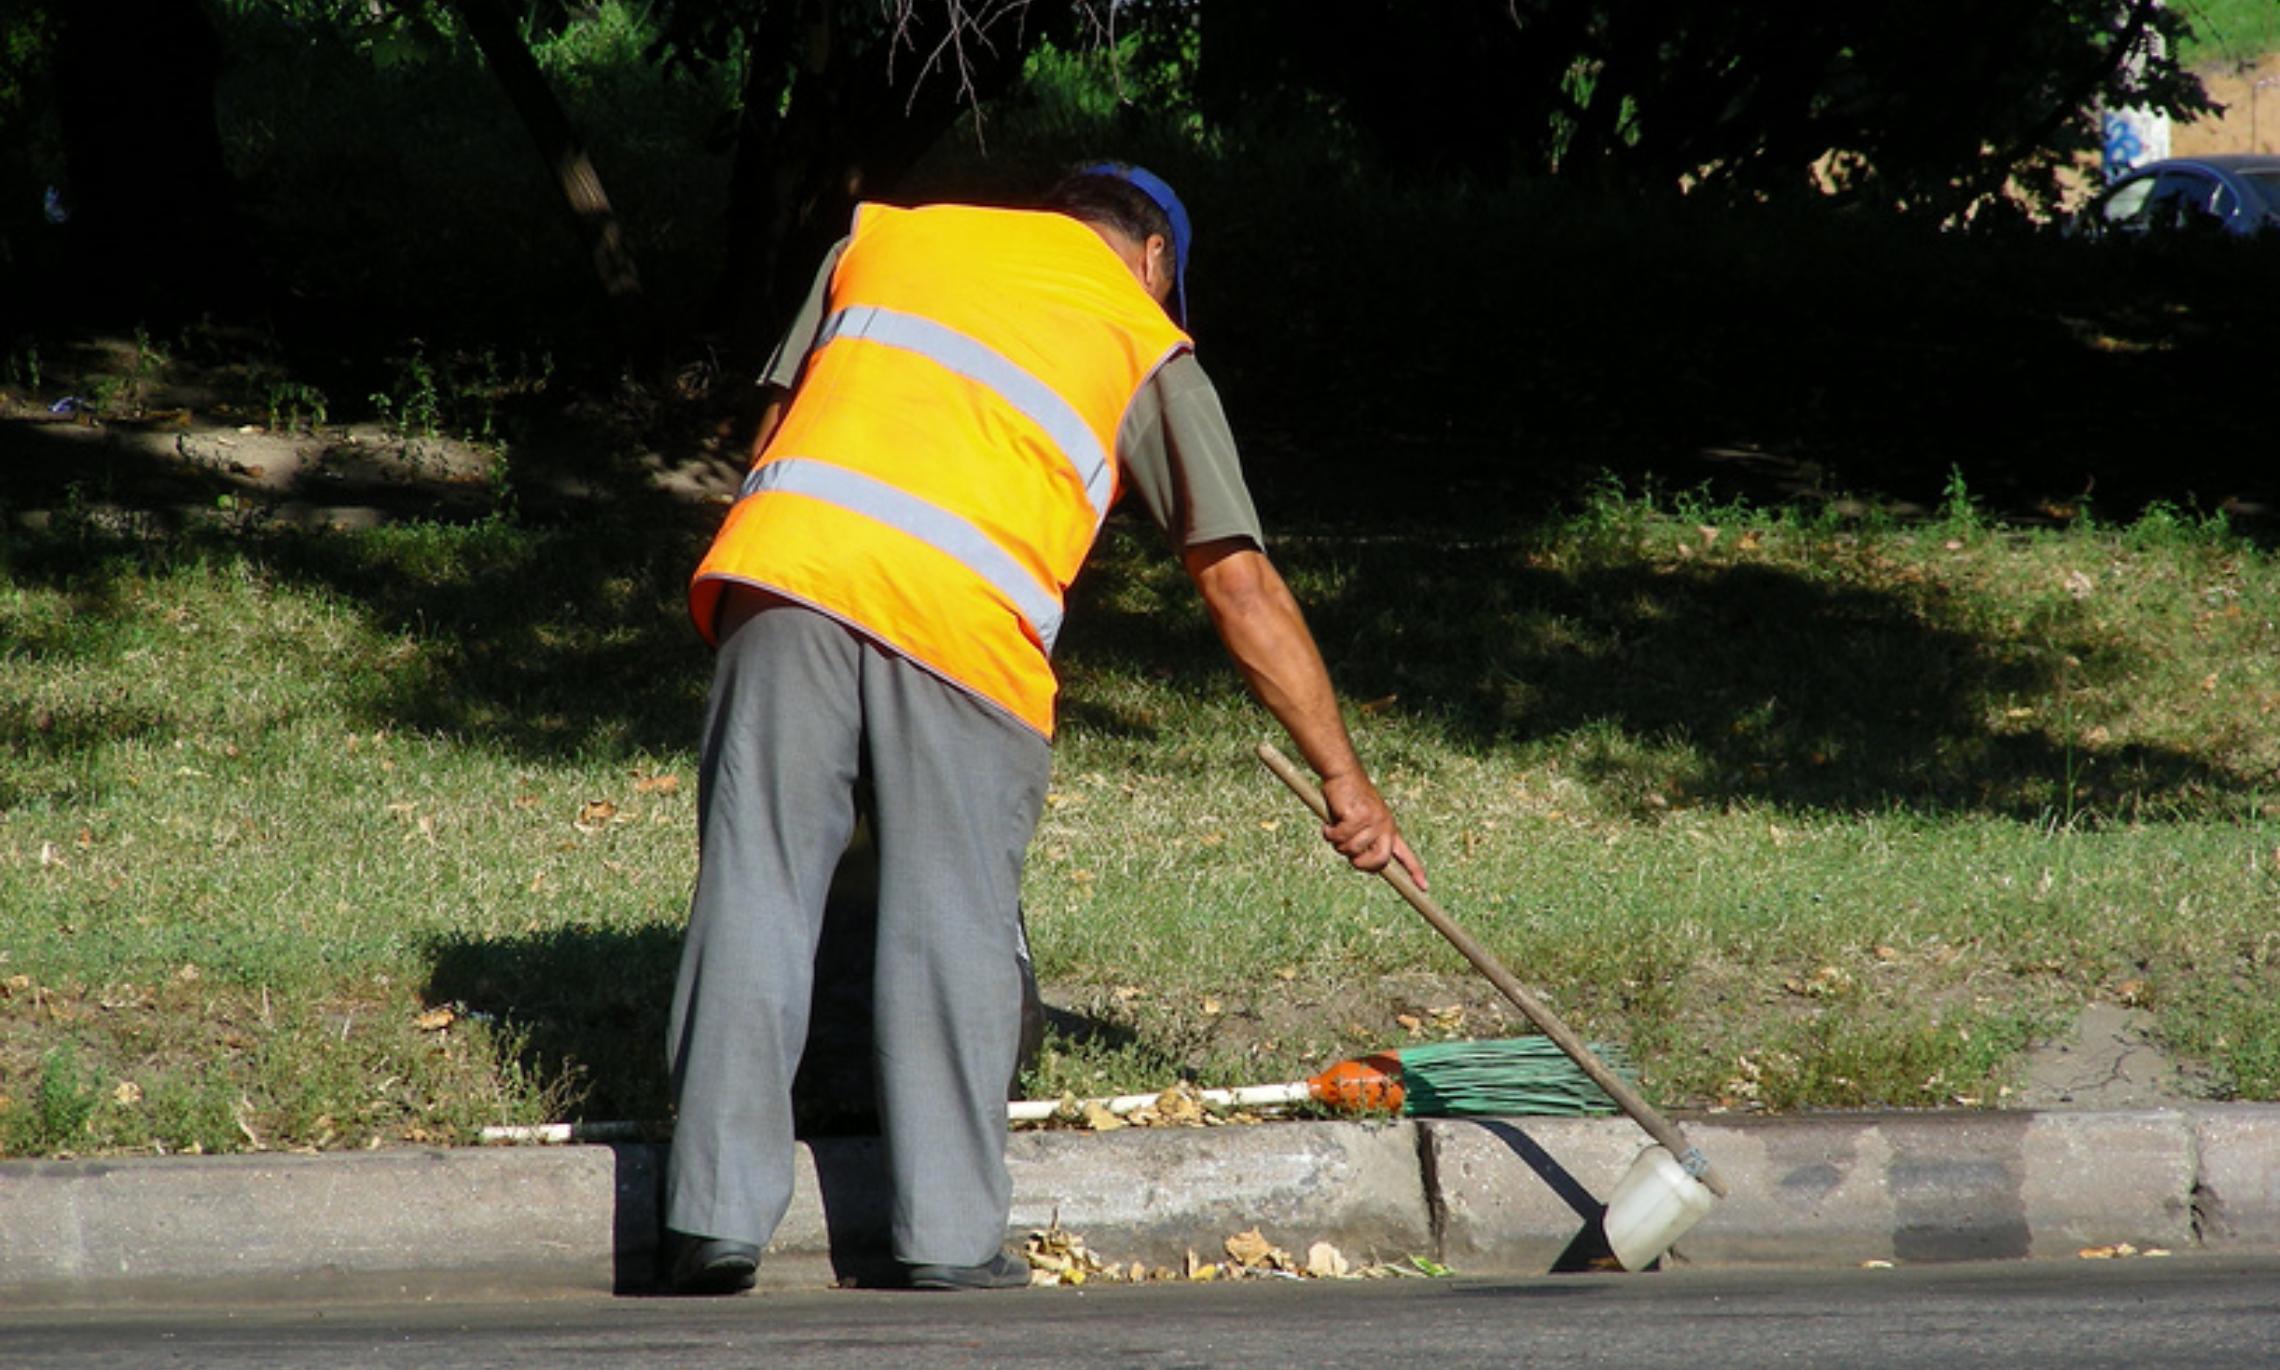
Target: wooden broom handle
x,y
1625,1097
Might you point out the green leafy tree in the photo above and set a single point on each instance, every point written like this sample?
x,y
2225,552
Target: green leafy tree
x,y
839,99
1928,106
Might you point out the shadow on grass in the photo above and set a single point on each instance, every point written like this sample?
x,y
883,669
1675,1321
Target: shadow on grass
x,y
587,1005
551,639
588,1010
1663,685
1660,683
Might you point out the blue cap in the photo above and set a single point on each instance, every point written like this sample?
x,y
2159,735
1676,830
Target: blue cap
x,y
1183,236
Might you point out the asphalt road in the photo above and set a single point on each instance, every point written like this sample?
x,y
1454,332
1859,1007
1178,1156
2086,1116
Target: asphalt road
x,y
2144,1314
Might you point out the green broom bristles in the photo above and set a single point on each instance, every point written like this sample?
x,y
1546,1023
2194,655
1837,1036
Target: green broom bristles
x,y
1518,1075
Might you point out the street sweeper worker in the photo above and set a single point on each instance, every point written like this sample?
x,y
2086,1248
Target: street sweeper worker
x,y
964,396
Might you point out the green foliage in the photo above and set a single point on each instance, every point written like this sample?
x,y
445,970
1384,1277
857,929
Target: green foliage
x,y
62,1099
365,240
1960,511
1889,1056
1930,108
2235,1026
27,33
24,367
2230,30
294,406
414,406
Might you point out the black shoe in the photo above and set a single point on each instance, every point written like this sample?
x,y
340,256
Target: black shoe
x,y
1000,1271
711,1265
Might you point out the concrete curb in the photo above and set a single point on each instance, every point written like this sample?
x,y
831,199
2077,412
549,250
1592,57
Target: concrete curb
x,y
1836,1190
1496,1196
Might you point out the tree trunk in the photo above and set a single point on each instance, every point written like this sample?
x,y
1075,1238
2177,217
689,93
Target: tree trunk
x,y
564,156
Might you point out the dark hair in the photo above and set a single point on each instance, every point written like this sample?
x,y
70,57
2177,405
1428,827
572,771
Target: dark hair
x,y
1098,198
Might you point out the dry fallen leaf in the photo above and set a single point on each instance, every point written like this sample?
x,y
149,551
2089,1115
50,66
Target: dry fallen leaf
x,y
1058,1256
657,784
594,814
1249,1248
128,1094
435,1019
1826,981
1099,1119
1179,1106
1326,1262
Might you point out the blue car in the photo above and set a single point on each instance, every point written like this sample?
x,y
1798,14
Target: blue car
x,y
2237,194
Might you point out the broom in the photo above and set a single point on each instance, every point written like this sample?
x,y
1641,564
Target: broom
x,y
1682,1174
1516,1076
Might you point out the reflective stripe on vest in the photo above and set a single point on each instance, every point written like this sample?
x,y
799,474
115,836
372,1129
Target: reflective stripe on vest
x,y
931,524
977,361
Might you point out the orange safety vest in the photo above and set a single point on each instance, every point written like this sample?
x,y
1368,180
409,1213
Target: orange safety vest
x,y
950,453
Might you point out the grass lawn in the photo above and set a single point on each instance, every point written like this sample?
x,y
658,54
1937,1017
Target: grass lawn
x,y
350,839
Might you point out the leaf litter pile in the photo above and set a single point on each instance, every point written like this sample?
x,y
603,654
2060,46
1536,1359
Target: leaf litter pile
x,y
1058,1256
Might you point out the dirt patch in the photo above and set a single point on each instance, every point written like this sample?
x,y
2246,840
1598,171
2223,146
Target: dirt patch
x,y
177,459
2108,1060
109,426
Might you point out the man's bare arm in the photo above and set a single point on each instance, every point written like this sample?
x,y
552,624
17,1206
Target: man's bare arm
x,y
771,418
1265,632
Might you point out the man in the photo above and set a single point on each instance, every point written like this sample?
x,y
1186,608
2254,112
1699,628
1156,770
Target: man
x,y
968,391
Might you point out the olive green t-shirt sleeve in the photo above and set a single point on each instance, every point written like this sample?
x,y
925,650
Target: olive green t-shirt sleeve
x,y
1180,461
783,368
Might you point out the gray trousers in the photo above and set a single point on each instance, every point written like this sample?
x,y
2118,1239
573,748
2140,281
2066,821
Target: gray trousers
x,y
801,707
